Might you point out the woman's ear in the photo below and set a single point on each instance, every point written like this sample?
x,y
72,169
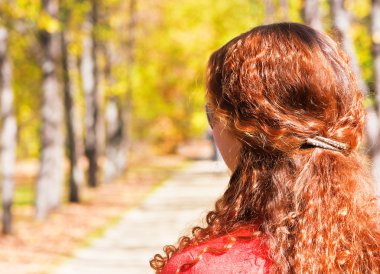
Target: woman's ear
x,y
229,146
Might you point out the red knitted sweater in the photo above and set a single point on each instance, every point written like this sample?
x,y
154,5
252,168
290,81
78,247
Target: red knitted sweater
x,y
245,256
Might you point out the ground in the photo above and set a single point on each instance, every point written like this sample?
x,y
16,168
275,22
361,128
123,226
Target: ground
x,y
168,213
37,247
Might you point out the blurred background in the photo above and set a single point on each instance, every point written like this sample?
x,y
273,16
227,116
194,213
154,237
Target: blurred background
x,y
101,101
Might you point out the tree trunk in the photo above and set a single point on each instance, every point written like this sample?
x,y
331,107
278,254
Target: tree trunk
x,y
311,15
284,10
75,176
90,88
8,132
376,68
115,154
130,47
269,11
51,174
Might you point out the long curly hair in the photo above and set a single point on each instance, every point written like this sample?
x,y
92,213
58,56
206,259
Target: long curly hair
x,y
273,87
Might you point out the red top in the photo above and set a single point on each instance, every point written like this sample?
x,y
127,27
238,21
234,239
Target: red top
x,y
245,256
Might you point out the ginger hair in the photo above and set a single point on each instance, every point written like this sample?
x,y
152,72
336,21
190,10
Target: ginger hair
x,y
273,87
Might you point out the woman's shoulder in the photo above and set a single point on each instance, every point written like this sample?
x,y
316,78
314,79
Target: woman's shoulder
x,y
245,255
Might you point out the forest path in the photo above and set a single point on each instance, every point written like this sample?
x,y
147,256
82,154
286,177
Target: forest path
x,y
168,213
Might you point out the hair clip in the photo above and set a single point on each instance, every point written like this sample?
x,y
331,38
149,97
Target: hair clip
x,y
326,143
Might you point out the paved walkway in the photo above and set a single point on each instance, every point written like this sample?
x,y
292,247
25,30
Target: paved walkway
x,y
165,215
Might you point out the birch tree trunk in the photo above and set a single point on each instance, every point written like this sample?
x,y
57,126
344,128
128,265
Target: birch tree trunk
x,y
269,11
311,15
284,10
376,68
51,175
90,87
8,132
75,175
115,153
130,47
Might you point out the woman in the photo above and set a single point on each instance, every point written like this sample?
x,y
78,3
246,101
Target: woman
x,y
287,116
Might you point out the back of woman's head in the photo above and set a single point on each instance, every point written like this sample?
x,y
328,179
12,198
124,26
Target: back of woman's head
x,y
276,88
277,85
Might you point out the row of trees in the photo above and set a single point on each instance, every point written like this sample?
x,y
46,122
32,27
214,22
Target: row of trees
x,y
51,27
85,77
71,72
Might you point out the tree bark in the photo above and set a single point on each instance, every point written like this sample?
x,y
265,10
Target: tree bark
x,y
75,175
375,33
8,132
130,48
90,87
284,10
311,15
269,11
115,153
51,175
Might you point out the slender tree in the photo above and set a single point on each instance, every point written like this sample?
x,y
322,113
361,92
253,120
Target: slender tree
x,y
130,47
311,14
72,136
115,154
8,131
269,11
375,16
51,174
91,90
115,151
284,10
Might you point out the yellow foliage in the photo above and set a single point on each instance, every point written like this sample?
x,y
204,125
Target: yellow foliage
x,y
173,41
48,23
360,8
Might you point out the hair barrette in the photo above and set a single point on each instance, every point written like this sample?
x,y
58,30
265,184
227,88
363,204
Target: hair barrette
x,y
326,143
